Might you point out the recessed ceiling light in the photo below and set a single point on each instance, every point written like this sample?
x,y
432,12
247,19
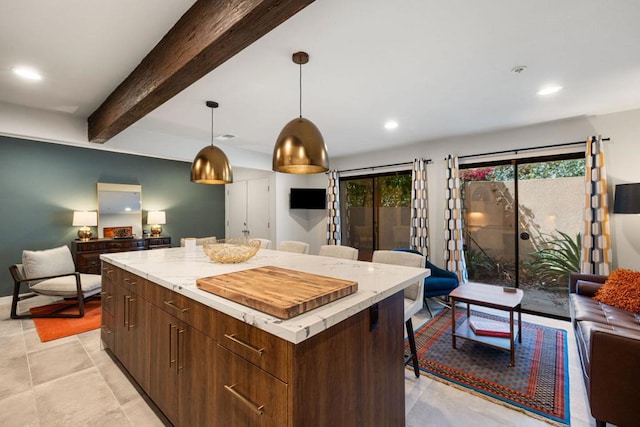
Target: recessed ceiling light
x,y
390,124
27,73
549,90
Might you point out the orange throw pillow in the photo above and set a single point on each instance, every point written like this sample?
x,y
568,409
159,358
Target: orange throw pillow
x,y
621,290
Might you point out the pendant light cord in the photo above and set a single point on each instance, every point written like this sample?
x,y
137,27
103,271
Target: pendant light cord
x,y
212,127
300,90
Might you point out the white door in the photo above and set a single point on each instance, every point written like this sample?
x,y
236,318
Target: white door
x,y
248,208
258,208
236,209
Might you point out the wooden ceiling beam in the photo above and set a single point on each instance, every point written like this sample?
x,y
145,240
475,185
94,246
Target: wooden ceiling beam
x,y
208,34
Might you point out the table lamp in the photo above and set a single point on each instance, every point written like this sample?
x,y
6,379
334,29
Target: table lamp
x,y
156,219
84,220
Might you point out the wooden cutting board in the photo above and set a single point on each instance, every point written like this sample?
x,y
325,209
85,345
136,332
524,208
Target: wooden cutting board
x,y
278,291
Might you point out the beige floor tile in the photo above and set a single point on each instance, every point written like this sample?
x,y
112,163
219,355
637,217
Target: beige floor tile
x,y
19,410
78,399
12,345
56,362
91,341
140,414
10,326
33,343
120,385
14,376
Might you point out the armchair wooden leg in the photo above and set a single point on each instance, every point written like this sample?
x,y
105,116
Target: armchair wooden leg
x,y
412,347
14,301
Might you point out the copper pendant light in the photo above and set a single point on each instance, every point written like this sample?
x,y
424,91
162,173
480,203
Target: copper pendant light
x,y
300,148
211,165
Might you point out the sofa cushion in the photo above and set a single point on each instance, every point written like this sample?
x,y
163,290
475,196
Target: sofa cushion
x,y
588,309
621,290
585,287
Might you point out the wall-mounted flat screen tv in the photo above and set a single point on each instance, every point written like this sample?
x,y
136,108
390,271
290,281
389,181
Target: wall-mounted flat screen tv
x,y
307,198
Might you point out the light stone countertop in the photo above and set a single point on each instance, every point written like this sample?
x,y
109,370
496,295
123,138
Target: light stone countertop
x,y
178,268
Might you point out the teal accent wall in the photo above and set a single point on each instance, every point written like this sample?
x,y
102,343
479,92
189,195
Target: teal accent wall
x,y
41,184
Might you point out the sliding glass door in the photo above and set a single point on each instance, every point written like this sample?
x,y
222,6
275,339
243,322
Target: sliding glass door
x,y
375,212
522,223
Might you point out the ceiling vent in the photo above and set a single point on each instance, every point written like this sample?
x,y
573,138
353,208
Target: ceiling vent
x,y
225,137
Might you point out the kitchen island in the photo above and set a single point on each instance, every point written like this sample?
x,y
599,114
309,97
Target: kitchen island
x,y
205,360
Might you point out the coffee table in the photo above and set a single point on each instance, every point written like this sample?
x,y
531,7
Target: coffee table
x,y
493,297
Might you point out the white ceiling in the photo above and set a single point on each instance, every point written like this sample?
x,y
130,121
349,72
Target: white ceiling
x,y
440,68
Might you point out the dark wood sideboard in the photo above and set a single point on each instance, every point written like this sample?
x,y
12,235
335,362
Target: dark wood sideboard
x,y
86,253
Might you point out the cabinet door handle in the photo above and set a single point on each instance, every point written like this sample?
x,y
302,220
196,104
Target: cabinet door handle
x,y
104,294
131,324
128,280
175,307
106,329
248,403
126,311
248,346
180,351
171,358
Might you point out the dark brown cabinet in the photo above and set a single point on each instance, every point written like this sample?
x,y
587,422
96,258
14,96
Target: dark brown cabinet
x,y
203,367
86,253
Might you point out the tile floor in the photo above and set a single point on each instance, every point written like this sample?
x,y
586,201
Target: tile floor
x,y
72,382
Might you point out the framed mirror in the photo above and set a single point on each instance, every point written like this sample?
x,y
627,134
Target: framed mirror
x,y
119,210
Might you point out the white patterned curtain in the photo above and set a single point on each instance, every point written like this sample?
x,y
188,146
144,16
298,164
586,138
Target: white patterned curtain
x,y
596,239
453,244
419,230
333,209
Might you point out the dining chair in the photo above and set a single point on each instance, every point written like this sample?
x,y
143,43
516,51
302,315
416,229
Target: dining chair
x,y
51,272
438,285
412,295
200,241
294,246
264,243
338,251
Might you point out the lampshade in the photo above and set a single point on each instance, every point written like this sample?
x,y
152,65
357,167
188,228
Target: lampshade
x,y
300,148
85,219
627,199
156,217
211,165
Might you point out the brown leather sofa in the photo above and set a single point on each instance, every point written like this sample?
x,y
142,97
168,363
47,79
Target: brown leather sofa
x,y
609,347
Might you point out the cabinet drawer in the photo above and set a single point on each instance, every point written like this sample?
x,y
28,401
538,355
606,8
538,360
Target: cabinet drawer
x,y
89,260
257,346
109,272
107,296
189,311
131,281
248,395
107,330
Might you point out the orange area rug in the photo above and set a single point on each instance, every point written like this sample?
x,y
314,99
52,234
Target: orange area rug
x,y
53,328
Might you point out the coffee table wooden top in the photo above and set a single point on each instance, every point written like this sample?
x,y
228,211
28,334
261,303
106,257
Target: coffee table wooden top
x,y
487,295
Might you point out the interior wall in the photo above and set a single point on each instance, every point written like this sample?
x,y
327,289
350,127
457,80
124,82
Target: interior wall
x,y
306,225
621,157
42,184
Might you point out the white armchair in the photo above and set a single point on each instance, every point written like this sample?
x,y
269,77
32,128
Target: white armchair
x,y
52,272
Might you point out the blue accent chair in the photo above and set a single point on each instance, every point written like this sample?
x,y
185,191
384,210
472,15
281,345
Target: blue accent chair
x,y
439,284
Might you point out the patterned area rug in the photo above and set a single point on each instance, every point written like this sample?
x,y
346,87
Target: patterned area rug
x,y
53,328
538,384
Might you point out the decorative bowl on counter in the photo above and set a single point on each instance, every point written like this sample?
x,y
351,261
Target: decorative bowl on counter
x,y
231,251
